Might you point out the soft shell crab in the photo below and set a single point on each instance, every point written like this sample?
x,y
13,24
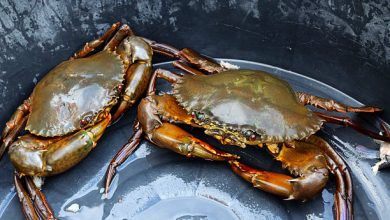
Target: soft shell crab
x,y
245,107
70,108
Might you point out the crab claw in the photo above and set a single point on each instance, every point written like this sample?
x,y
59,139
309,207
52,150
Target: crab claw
x,y
384,151
301,188
309,185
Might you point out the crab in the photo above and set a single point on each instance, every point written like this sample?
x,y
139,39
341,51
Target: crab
x,y
70,108
244,108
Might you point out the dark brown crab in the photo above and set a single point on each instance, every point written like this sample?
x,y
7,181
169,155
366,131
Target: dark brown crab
x,y
70,108
245,107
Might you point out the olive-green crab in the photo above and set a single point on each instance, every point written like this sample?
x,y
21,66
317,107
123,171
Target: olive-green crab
x,y
70,108
245,107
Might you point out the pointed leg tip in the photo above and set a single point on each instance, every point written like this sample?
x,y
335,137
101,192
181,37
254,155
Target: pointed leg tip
x,y
125,27
109,177
107,186
291,197
386,131
371,109
235,163
235,157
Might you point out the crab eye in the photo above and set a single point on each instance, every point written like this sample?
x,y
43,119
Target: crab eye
x,y
86,119
250,135
198,115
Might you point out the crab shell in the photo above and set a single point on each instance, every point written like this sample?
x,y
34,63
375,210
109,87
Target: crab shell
x,y
237,101
72,95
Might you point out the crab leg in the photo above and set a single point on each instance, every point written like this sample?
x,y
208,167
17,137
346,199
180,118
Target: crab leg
x,y
92,45
187,69
39,200
347,122
43,157
343,195
137,75
331,105
32,198
123,154
137,78
343,203
201,62
164,49
275,183
14,126
123,32
188,55
163,74
25,200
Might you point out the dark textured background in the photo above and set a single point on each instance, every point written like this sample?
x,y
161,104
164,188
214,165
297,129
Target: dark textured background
x,y
343,43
